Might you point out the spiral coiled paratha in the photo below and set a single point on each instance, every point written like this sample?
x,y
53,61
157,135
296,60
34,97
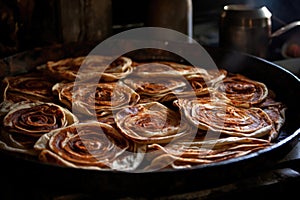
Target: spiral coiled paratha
x,y
82,67
151,123
90,146
24,124
95,99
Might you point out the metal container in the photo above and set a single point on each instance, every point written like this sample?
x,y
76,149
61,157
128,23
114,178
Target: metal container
x,y
245,29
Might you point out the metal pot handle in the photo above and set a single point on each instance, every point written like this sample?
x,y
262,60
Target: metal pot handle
x,y
285,29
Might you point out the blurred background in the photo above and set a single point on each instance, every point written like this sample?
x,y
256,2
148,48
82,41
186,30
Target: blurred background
x,y
26,24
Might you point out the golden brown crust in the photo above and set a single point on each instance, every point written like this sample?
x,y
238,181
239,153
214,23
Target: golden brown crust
x,y
90,66
225,118
90,146
27,87
151,123
23,125
95,99
242,91
193,153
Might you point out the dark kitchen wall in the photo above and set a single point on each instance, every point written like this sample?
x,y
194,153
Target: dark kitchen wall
x,y
8,28
25,24
134,11
131,13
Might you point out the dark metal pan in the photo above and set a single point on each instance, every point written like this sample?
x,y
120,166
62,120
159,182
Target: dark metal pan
x,y
35,180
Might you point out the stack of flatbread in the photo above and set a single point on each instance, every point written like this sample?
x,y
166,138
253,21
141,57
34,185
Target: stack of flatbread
x,y
106,113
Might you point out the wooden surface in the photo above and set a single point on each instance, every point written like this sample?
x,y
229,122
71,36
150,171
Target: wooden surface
x,y
84,20
32,23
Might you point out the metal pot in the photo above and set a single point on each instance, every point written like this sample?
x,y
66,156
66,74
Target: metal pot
x,y
248,29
